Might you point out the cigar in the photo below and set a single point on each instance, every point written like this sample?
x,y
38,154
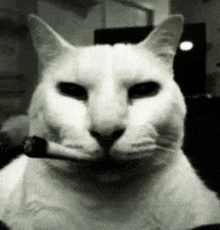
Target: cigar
x,y
38,147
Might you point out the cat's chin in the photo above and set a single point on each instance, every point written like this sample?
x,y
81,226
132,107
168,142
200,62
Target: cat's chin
x,y
110,170
109,177
107,170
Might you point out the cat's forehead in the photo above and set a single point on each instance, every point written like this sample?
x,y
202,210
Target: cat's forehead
x,y
90,65
120,58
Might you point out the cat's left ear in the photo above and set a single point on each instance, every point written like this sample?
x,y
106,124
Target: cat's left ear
x,y
48,44
164,39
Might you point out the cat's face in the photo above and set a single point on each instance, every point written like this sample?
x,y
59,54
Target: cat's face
x,y
118,103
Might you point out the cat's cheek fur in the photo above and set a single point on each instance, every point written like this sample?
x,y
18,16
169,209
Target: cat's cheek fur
x,y
71,114
157,136
139,115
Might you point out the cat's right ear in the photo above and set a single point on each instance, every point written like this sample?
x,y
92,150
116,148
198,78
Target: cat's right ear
x,y
47,42
164,39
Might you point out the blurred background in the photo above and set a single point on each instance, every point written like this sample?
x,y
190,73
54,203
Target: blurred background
x,y
85,22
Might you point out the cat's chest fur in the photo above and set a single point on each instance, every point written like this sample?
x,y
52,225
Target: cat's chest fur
x,y
171,198
117,116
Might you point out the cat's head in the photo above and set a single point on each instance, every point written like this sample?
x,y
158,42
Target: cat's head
x,y
110,102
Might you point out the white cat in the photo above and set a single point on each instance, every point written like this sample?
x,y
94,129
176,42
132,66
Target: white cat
x,y
120,108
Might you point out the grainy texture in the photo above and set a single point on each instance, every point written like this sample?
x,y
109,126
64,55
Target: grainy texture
x,y
119,104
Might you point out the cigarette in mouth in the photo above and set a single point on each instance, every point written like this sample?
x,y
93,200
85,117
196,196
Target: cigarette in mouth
x,y
38,147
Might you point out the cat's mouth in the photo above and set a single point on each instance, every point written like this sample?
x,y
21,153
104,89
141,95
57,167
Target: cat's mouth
x,y
105,167
37,147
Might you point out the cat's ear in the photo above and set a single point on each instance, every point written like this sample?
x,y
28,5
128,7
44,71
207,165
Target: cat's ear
x,y
47,42
164,39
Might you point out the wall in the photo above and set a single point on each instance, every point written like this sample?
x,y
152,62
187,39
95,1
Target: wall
x,y
119,15
9,4
17,58
78,26
162,10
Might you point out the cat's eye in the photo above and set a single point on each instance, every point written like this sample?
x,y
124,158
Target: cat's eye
x,y
146,89
72,90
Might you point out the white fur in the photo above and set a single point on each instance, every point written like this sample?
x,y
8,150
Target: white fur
x,y
9,177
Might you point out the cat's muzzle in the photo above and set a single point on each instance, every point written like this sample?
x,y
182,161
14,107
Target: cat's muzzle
x,y
38,147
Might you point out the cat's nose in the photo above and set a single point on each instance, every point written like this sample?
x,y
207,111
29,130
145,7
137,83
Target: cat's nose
x,y
107,139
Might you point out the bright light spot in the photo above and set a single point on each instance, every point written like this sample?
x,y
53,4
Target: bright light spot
x,y
186,45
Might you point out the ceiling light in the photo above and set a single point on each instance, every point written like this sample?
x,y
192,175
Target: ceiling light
x,y
186,45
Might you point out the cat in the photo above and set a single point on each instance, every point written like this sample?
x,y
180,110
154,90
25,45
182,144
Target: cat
x,y
119,108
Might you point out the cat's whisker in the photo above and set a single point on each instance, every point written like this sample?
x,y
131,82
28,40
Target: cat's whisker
x,y
37,147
